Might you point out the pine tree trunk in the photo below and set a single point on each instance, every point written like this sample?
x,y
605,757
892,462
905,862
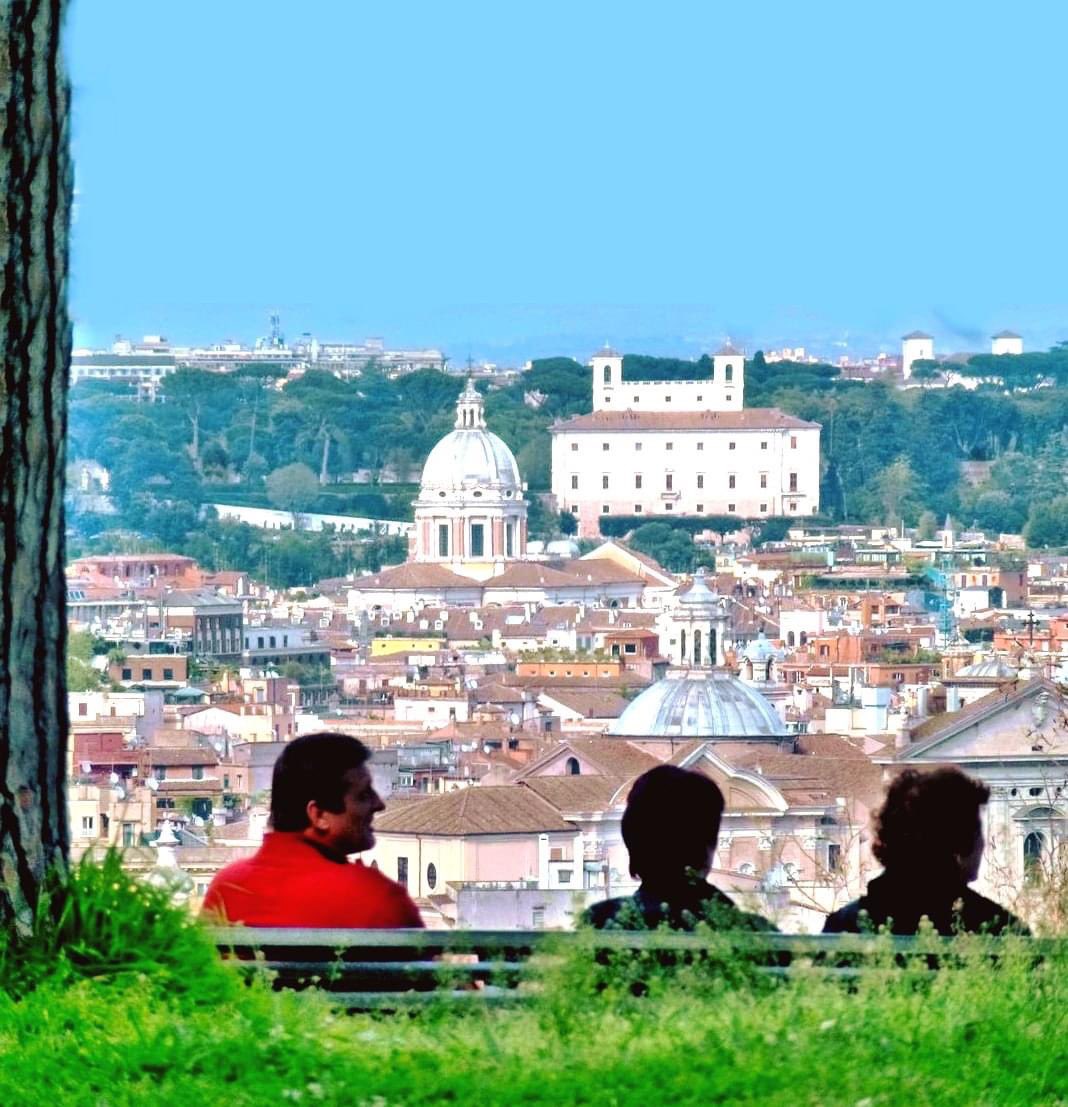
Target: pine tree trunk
x,y
35,197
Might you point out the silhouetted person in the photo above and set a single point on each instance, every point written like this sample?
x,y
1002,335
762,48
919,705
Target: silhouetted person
x,y
670,828
929,838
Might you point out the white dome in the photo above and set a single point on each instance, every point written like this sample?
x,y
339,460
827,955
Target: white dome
x,y
471,458
701,704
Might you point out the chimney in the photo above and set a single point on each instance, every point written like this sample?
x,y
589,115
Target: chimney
x,y
902,737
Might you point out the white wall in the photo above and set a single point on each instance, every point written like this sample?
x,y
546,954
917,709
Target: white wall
x,y
700,464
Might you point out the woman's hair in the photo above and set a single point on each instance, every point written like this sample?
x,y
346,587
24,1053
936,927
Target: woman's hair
x,y
671,822
313,767
928,820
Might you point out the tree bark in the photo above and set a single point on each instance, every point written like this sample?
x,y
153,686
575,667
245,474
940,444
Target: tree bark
x,y
35,184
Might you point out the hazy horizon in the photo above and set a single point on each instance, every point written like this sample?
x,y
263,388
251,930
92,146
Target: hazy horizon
x,y
512,183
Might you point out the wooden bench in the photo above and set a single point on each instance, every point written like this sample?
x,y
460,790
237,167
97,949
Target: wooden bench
x,y
376,969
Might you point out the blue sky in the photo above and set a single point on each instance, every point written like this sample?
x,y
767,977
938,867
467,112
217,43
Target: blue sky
x,y
510,180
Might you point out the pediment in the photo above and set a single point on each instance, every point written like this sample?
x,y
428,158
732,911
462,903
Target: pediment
x,y
1017,722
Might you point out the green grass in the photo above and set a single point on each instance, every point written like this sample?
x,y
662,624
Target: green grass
x,y
132,1033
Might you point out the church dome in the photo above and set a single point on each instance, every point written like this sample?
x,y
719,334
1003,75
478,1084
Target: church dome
x,y
709,703
470,457
474,458
990,668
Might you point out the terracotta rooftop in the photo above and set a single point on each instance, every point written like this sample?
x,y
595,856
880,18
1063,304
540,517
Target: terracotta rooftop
x,y
754,418
579,793
590,703
411,575
504,809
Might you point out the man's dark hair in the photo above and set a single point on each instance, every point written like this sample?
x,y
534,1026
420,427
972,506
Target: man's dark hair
x,y
928,820
313,767
671,822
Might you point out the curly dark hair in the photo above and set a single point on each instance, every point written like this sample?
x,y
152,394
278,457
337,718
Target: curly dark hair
x,y
671,823
928,820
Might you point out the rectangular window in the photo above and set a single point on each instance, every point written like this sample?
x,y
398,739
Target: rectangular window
x,y
669,446
160,772
146,674
700,480
83,709
509,540
667,399
763,508
630,647
259,642
636,399
834,856
605,509
669,480
574,447
700,445
537,918
637,480
273,642
168,674
731,480
793,505
699,397
478,540
728,373
564,876
700,509
730,445
793,482
574,481
793,441
763,480
87,823
637,509
129,833
730,508
443,539
763,445
198,772
604,480
127,674
637,445
669,507
605,446
402,871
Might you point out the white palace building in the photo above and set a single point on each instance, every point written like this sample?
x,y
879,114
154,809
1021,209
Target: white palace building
x,y
661,448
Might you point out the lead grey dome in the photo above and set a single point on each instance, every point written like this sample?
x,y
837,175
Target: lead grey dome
x,y
990,668
471,458
708,704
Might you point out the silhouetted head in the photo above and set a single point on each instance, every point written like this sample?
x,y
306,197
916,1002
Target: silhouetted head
x,y
671,824
322,788
930,825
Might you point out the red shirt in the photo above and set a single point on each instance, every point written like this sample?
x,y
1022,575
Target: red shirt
x,y
288,882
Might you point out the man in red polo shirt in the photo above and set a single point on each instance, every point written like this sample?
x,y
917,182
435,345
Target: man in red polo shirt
x,y
322,807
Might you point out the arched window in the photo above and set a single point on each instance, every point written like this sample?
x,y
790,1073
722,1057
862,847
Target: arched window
x,y
573,767
697,647
1034,846
682,646
729,373
747,869
431,876
608,374
789,637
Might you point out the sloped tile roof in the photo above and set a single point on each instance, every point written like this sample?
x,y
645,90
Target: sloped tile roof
x,y
497,809
754,418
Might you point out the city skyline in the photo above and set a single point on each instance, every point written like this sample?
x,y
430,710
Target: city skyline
x,y
686,180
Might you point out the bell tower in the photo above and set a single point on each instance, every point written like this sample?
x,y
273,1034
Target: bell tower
x,y
694,630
